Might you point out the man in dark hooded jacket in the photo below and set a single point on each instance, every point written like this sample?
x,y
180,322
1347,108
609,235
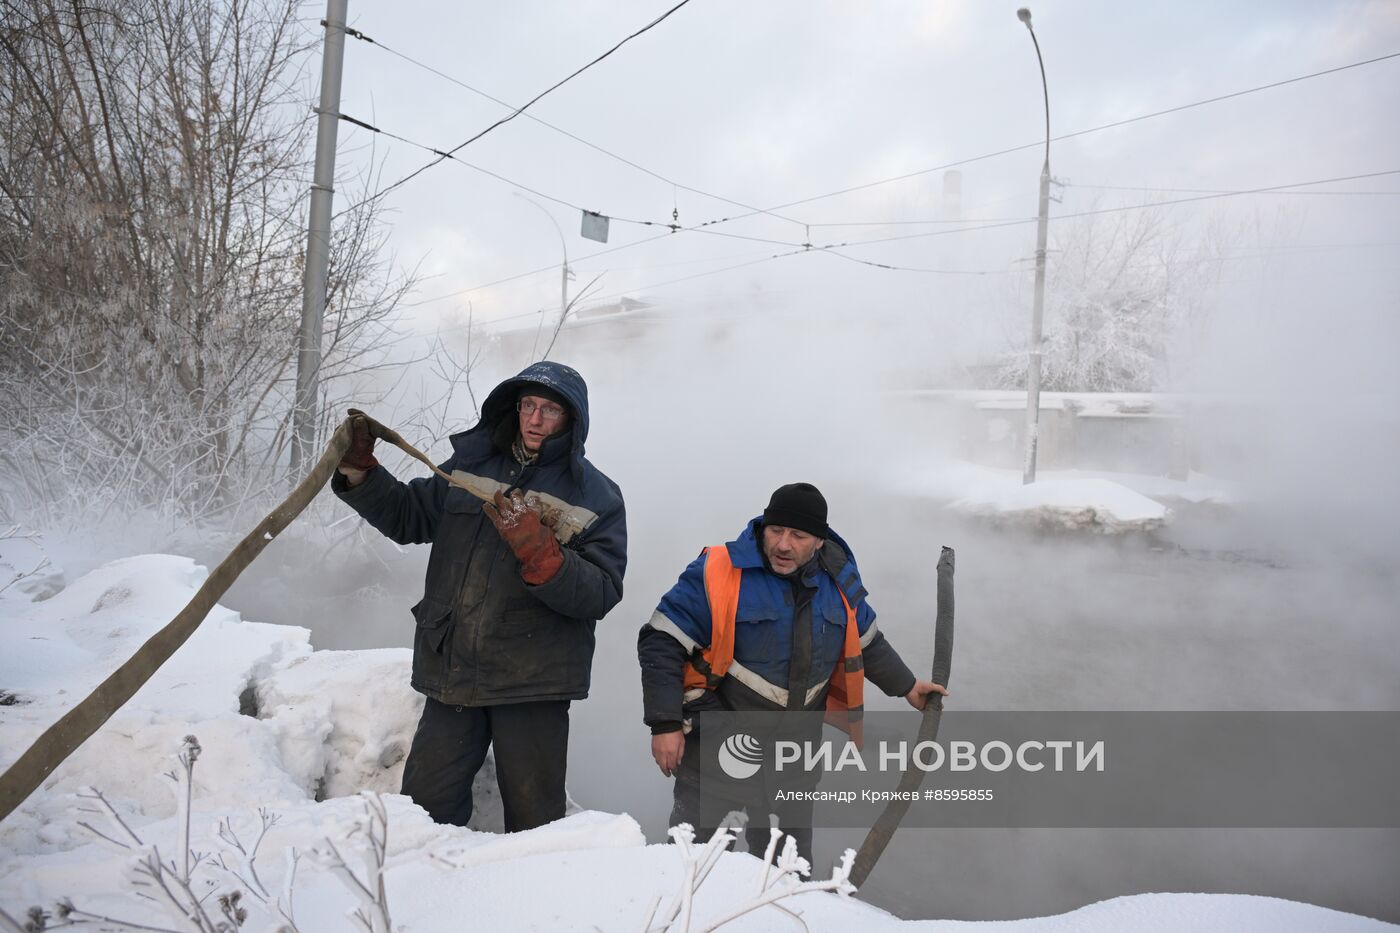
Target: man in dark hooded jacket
x,y
513,591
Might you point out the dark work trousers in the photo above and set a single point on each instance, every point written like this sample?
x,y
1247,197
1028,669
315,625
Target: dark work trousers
x,y
531,742
706,813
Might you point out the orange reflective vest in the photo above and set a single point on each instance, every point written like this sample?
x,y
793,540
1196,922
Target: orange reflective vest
x,y
845,696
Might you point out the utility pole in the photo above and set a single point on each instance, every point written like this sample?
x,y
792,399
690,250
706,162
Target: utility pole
x,y
318,240
1033,364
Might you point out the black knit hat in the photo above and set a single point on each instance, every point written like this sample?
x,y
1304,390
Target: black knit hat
x,y
800,506
539,390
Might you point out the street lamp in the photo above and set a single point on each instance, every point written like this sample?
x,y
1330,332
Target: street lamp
x,y
1033,367
563,269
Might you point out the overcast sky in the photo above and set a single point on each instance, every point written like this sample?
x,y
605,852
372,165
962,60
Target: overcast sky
x,y
771,102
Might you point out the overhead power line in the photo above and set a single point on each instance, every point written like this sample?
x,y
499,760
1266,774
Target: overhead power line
x,y
1068,184
1131,207
650,286
829,250
832,247
486,171
990,155
671,227
531,102
576,138
1084,132
797,248
793,252
1009,222
1256,252
922,223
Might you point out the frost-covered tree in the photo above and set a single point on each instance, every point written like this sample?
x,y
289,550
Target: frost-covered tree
x,y
1122,292
153,177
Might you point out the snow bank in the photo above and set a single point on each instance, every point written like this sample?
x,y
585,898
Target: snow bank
x,y
1070,499
289,736
60,649
1094,504
1173,913
335,739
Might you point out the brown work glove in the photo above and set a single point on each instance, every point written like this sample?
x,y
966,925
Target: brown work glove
x,y
360,456
521,527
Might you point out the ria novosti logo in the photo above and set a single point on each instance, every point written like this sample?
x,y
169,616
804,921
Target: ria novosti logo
x,y
740,756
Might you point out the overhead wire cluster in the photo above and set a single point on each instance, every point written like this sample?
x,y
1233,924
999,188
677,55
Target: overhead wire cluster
x,y
356,34
833,248
563,132
806,245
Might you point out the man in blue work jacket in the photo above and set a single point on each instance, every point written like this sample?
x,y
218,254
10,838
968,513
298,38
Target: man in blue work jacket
x,y
800,609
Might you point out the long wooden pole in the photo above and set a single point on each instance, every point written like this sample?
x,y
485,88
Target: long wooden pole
x,y
883,831
77,725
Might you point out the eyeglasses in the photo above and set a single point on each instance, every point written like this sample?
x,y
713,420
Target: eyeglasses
x,y
547,412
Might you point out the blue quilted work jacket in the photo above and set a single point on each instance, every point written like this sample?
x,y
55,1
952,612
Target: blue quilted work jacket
x,y
763,629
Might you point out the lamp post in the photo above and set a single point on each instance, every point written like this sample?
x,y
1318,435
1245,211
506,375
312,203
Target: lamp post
x,y
564,269
1033,367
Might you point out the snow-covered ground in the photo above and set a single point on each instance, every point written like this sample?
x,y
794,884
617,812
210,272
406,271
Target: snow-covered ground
x,y
294,734
1069,499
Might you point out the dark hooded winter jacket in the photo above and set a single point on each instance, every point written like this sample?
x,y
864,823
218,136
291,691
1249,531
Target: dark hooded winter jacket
x,y
485,636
